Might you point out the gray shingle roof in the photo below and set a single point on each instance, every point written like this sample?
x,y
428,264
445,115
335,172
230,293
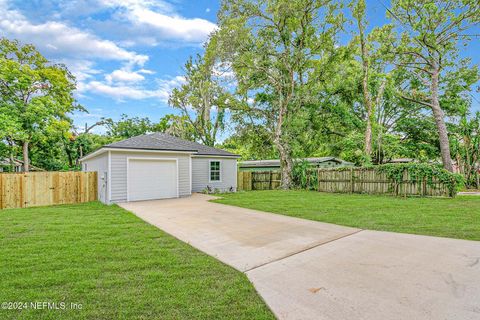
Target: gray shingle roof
x,y
163,141
276,162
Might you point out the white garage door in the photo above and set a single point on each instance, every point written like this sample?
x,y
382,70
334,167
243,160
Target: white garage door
x,y
151,179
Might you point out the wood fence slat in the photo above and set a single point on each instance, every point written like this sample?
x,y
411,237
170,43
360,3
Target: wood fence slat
x,y
19,190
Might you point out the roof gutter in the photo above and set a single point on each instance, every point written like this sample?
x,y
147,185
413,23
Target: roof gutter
x,y
216,156
105,149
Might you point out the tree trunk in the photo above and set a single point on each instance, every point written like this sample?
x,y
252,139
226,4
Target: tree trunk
x,y
368,132
80,153
369,106
286,164
440,123
366,93
12,162
69,157
26,160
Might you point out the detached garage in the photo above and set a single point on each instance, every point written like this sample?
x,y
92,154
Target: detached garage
x,y
159,166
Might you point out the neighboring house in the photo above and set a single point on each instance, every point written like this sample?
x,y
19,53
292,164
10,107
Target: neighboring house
x,y
158,166
6,166
271,165
401,160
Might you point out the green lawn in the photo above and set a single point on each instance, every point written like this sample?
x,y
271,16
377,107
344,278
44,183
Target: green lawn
x,y
453,218
116,266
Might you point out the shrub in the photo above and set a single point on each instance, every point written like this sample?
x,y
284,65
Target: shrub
x,y
304,176
421,171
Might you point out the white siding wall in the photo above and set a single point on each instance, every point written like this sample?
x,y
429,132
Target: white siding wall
x,y
201,170
119,172
100,165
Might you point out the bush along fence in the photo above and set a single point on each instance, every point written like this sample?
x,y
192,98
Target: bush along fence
x,y
21,190
391,179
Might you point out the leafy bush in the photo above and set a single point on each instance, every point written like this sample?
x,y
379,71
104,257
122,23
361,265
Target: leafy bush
x,y
421,171
304,176
211,190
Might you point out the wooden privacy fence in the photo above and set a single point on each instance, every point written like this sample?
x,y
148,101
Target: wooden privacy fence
x,y
21,190
360,180
258,180
352,180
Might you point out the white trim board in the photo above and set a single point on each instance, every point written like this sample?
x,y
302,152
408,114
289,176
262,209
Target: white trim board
x,y
109,178
214,156
191,174
150,159
107,149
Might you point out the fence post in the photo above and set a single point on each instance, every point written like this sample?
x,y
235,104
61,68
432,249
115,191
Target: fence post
x,y
318,180
424,186
23,188
239,180
352,181
249,177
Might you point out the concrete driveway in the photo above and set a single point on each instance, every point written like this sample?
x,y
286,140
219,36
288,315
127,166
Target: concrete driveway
x,y
312,270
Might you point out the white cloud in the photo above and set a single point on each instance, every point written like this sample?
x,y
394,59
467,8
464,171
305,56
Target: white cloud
x,y
160,18
145,71
58,39
118,92
121,91
130,22
165,86
82,69
159,5
124,76
191,30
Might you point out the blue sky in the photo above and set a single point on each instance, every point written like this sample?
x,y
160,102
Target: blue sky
x,y
127,55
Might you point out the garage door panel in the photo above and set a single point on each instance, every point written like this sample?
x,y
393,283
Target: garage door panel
x,y
152,179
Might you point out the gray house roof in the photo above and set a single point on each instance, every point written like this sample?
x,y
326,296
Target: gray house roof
x,y
164,142
276,162
18,165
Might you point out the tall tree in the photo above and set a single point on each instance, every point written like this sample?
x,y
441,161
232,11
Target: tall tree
x,y
175,125
429,48
127,127
274,48
367,59
8,129
34,92
202,99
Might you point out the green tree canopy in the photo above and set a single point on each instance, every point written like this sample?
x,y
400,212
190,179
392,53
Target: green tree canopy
x,y
36,95
275,49
431,32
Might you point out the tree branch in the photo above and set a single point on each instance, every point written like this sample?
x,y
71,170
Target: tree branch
x,y
416,101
